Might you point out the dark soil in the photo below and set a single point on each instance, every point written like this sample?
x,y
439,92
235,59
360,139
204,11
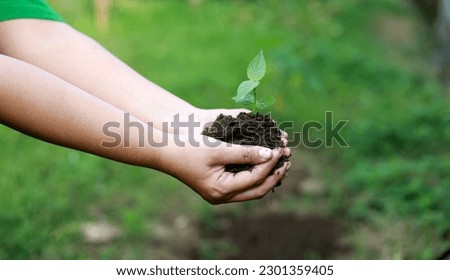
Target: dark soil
x,y
247,129
276,236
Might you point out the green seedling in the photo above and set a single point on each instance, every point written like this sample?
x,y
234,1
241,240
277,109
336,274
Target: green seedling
x,y
246,92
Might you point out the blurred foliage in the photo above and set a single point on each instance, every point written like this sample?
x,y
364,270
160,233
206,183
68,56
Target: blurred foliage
x,y
322,56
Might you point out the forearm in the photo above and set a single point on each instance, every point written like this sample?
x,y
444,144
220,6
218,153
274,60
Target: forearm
x,y
46,107
68,54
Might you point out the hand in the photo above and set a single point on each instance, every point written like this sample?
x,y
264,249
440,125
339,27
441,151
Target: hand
x,y
203,169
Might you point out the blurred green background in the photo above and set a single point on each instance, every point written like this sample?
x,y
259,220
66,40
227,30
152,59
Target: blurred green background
x,y
387,196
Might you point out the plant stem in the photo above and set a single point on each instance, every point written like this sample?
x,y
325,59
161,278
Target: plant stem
x,y
254,101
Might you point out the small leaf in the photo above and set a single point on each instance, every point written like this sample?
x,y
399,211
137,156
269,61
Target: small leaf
x,y
248,99
257,67
244,89
265,101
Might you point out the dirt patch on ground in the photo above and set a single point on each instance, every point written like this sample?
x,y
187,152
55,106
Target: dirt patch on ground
x,y
281,236
276,236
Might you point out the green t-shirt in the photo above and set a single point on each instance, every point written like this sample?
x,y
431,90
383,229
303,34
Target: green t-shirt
x,y
17,9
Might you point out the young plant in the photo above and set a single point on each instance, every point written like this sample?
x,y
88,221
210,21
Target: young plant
x,y
246,92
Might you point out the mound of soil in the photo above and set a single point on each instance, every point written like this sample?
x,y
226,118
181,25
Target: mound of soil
x,y
247,129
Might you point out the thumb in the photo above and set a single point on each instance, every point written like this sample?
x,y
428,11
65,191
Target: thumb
x,y
238,154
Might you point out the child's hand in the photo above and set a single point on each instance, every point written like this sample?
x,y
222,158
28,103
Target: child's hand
x,y
203,169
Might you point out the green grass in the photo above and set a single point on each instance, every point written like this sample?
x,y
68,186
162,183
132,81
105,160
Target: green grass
x,y
322,56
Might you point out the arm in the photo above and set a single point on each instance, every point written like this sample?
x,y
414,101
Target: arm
x,y
46,107
59,49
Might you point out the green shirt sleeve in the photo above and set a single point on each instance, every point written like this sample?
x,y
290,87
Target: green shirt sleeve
x,y
19,9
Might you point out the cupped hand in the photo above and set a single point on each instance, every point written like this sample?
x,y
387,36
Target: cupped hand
x,y
202,167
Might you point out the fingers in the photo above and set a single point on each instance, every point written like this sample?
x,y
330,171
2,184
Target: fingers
x,y
287,152
254,185
244,180
261,190
284,136
284,140
239,154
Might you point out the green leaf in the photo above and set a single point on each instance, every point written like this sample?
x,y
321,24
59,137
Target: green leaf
x,y
265,101
257,67
248,99
244,89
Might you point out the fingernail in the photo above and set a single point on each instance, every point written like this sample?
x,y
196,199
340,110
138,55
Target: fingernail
x,y
265,153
